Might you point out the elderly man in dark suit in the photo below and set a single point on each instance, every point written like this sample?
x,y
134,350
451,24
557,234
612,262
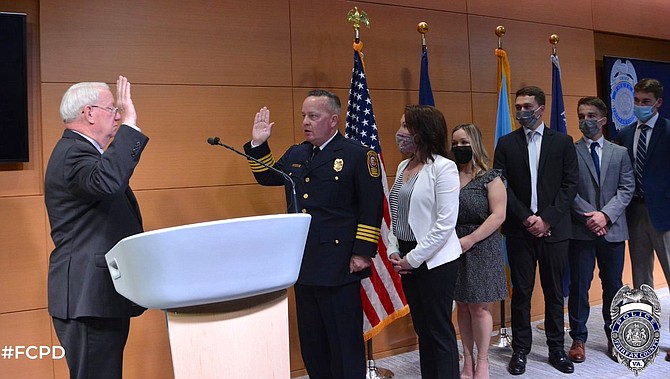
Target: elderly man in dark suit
x,y
338,183
91,207
540,165
599,230
648,144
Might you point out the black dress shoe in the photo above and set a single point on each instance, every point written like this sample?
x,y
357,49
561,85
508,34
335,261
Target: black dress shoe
x,y
560,361
517,365
610,351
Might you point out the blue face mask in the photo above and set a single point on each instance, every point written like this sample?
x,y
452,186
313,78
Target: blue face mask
x,y
644,112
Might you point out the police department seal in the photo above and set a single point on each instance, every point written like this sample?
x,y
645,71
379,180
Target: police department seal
x,y
622,81
636,329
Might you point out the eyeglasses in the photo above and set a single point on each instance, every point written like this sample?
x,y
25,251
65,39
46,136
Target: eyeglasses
x,y
110,109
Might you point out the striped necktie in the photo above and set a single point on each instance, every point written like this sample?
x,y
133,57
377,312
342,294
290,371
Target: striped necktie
x,y
640,159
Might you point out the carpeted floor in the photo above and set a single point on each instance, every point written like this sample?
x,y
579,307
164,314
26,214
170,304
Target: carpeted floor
x,y
597,364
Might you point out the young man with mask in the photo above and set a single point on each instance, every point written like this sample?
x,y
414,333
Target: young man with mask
x,y
599,230
648,144
540,165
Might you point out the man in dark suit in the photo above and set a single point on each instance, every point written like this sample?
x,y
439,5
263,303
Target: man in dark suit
x,y
91,207
338,183
540,165
599,230
648,144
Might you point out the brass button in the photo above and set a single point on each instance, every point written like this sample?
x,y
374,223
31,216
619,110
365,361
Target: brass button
x,y
305,196
337,178
304,210
337,242
307,180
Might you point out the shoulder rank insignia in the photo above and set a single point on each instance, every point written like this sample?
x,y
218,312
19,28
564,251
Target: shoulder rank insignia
x,y
636,327
373,164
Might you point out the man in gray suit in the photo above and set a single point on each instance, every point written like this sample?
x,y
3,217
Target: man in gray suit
x,y
599,230
91,207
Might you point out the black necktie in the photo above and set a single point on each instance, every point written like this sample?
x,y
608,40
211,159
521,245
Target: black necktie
x,y
594,155
315,151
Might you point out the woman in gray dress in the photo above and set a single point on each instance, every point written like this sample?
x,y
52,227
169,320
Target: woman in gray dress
x,y
481,275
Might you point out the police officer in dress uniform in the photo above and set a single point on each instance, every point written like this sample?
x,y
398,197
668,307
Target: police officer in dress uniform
x,y
338,182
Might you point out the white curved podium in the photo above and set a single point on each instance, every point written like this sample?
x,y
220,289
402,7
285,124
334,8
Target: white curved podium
x,y
223,287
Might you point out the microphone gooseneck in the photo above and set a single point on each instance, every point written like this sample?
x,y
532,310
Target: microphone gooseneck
x,y
294,197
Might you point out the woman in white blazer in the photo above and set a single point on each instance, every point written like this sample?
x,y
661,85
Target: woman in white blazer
x,y
424,247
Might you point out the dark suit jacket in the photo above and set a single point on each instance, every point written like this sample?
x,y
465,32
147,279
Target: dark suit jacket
x,y
556,182
610,193
342,192
656,173
91,207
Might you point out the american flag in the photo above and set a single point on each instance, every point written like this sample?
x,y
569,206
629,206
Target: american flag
x,y
382,295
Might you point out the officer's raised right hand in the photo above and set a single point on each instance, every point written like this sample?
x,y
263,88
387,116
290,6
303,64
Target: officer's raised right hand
x,y
262,127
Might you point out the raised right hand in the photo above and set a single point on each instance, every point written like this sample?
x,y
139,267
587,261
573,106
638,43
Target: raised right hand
x,y
262,127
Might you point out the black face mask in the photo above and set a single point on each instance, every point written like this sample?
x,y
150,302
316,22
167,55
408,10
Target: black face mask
x,y
463,154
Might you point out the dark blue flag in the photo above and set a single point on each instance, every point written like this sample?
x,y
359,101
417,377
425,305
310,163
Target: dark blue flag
x,y
559,124
558,121
425,91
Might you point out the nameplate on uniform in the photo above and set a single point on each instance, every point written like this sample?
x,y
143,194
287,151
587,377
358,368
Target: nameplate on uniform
x,y
636,327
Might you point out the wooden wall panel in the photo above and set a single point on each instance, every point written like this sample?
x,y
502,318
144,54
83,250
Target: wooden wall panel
x,y
30,328
167,42
173,207
323,57
26,178
529,53
642,19
572,13
23,265
631,47
178,121
451,5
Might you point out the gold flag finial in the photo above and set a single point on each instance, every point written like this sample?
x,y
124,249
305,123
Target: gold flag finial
x,y
553,40
356,18
422,28
500,32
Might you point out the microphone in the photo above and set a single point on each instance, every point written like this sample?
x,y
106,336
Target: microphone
x,y
294,198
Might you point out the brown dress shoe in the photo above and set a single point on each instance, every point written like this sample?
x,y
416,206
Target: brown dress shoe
x,y
667,356
577,353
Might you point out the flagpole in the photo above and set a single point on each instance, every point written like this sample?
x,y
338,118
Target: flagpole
x,y
502,338
356,18
553,40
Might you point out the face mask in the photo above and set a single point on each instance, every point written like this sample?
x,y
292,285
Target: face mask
x,y
405,143
526,118
463,154
589,127
644,112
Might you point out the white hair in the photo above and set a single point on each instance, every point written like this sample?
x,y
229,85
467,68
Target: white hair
x,y
78,96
